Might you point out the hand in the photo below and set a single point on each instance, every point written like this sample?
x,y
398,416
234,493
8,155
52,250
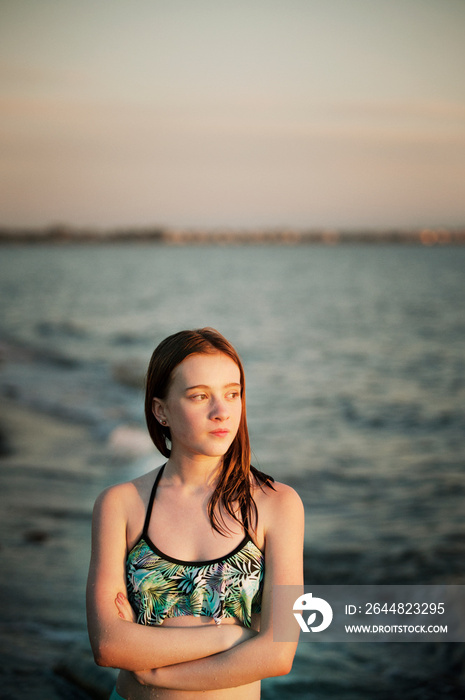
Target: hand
x,y
124,608
232,635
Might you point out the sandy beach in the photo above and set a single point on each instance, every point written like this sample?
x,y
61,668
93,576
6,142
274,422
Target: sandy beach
x,y
48,484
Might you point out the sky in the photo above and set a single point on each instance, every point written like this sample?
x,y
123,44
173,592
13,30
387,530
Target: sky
x,y
232,113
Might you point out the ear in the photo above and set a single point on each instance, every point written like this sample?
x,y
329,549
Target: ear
x,y
158,410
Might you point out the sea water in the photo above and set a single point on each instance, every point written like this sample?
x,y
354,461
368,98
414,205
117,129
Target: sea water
x,y
355,367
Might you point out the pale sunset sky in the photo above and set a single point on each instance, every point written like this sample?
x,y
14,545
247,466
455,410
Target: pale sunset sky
x,y
232,113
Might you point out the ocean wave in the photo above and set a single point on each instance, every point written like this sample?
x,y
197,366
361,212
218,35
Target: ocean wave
x,y
395,416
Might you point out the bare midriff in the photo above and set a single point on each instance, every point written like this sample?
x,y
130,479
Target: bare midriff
x,y
130,689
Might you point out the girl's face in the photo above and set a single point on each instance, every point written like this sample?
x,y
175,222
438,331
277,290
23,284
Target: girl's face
x,y
203,406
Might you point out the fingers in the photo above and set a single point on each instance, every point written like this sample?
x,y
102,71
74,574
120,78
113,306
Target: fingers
x,y
124,608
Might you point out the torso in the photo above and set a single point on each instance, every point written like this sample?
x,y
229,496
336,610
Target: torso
x,y
193,540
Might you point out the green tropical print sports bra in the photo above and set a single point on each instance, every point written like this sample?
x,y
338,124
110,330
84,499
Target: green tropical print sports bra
x,y
161,587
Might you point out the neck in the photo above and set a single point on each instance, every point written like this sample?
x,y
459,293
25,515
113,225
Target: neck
x,y
199,470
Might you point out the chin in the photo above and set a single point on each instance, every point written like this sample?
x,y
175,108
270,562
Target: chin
x,y
215,452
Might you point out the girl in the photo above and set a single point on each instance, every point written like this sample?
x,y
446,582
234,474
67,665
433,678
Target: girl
x,y
184,558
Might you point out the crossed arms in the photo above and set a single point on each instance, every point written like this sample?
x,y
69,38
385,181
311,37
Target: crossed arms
x,y
205,657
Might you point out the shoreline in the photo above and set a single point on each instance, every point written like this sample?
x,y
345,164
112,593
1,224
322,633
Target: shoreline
x,y
49,480
425,236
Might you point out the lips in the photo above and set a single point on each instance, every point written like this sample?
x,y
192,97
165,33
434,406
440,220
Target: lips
x,y
219,433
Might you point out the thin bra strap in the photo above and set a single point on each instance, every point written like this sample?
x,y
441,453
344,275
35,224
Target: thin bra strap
x,y
245,519
151,499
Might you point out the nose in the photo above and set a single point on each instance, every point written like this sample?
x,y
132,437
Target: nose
x,y
219,410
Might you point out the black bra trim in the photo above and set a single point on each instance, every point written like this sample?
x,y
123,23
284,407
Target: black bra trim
x,y
206,562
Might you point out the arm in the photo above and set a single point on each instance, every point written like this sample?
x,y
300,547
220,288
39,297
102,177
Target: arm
x,y
114,642
259,657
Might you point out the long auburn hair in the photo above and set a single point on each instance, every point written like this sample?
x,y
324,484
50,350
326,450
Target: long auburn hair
x,y
234,483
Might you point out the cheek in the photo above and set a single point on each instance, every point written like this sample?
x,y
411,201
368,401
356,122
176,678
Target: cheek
x,y
185,419
238,414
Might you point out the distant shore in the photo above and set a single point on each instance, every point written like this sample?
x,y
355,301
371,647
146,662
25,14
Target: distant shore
x,y
62,234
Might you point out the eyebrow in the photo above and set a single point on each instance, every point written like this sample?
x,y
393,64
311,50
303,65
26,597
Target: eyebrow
x,y
205,386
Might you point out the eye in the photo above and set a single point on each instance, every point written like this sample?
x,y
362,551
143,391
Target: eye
x,y
198,397
234,395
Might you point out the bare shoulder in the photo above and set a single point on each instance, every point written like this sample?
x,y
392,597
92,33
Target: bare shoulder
x,y
279,505
115,496
277,495
125,498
